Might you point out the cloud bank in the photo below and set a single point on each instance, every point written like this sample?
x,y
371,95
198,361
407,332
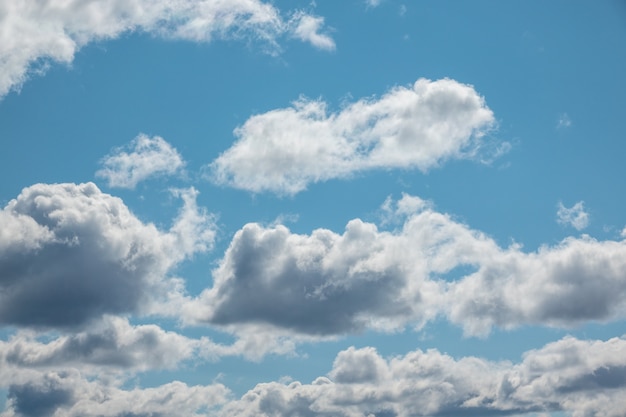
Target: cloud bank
x,y
587,378
147,157
70,253
326,284
417,127
35,34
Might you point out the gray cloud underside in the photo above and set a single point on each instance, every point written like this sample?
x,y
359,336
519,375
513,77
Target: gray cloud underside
x,y
70,253
35,33
416,127
584,377
328,284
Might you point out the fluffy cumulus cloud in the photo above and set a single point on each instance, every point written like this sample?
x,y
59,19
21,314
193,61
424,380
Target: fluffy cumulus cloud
x,y
36,33
409,127
328,284
146,157
70,253
587,378
69,394
575,216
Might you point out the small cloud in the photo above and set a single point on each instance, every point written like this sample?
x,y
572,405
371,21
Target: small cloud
x,y
402,10
143,158
564,121
307,29
373,3
576,216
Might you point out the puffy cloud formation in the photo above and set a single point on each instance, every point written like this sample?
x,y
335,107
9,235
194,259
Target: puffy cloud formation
x,y
37,33
327,284
69,394
587,378
148,157
70,253
409,127
575,216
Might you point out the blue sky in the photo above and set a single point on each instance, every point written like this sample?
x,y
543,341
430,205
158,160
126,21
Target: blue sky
x,y
355,208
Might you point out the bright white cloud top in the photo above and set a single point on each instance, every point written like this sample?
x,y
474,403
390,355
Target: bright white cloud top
x,y
418,127
439,259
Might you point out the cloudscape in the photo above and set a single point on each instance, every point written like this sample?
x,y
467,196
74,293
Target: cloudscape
x,y
271,208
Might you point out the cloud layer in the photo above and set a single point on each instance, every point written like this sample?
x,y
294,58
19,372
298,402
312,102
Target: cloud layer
x,y
587,378
70,253
415,127
326,283
35,34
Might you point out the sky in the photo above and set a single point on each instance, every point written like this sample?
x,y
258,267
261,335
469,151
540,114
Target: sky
x,y
372,208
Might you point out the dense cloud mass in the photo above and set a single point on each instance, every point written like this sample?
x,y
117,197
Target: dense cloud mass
x,y
326,283
148,157
416,127
587,378
70,253
35,32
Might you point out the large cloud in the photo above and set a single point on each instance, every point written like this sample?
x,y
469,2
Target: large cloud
x,y
149,157
37,32
416,127
587,378
69,394
327,284
70,253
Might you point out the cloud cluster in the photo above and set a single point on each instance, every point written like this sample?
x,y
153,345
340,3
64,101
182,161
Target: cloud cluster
x,y
35,34
148,157
70,253
587,378
329,284
409,127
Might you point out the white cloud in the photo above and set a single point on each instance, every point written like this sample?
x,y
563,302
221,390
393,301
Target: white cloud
x,y
564,121
307,28
67,393
35,34
575,216
327,284
373,3
584,377
81,254
417,127
147,157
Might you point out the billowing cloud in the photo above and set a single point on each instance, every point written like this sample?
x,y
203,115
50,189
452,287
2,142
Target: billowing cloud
x,y
35,34
328,284
584,377
70,253
415,127
147,157
69,394
575,216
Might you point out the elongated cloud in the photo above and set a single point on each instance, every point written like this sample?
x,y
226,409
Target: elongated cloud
x,y
415,127
584,377
328,284
148,157
34,34
70,253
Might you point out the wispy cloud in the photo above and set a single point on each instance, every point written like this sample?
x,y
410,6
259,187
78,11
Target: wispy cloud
x,y
34,35
575,216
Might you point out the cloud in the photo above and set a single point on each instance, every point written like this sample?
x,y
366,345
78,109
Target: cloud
x,y
50,31
415,127
326,284
576,216
81,254
148,157
584,377
564,121
69,394
307,28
